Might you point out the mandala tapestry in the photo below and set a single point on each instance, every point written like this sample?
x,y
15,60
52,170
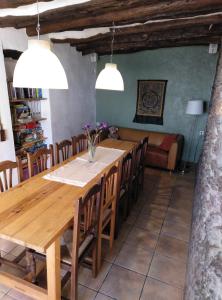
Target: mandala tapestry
x,y
150,101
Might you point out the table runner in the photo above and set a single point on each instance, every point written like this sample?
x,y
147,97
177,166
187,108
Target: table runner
x,y
80,171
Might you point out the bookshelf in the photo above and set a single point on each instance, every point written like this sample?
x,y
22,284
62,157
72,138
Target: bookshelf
x,y
25,105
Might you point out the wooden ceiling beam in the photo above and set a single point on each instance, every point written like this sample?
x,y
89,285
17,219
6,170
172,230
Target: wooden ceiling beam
x,y
17,3
97,13
153,39
129,15
135,47
191,33
193,23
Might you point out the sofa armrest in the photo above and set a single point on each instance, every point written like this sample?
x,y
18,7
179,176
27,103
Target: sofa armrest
x,y
175,153
172,156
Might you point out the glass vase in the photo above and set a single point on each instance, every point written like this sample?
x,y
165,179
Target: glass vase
x,y
91,152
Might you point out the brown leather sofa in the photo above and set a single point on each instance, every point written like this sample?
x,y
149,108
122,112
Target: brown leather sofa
x,y
156,156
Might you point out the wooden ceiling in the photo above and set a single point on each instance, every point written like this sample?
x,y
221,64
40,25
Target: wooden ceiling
x,y
17,3
156,24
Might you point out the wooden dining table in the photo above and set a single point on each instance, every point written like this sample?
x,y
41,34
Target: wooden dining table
x,y
36,213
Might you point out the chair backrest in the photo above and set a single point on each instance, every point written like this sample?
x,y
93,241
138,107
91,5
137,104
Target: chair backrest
x,y
63,150
126,175
144,143
137,158
38,161
110,187
6,171
80,143
87,213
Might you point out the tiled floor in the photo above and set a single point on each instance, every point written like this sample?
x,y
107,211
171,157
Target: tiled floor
x,y
148,261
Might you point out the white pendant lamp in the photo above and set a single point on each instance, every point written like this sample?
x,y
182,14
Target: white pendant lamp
x,y
39,67
110,78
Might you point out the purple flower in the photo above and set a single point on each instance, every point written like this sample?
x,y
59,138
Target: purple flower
x,y
87,127
102,125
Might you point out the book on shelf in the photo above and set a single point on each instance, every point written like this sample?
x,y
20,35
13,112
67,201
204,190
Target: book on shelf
x,y
23,93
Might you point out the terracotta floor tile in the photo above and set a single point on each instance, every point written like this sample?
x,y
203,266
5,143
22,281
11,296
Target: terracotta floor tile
x,y
177,230
102,297
172,247
2,294
86,278
17,250
4,288
168,270
178,216
144,238
7,297
157,290
123,284
134,258
6,246
149,223
154,210
84,293
108,255
18,296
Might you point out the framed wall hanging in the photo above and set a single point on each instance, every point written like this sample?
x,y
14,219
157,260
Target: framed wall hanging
x,y
150,101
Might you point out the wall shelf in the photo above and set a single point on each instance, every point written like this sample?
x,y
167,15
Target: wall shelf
x,y
26,99
29,121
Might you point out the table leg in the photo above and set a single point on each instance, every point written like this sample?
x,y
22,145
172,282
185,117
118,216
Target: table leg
x,y
53,271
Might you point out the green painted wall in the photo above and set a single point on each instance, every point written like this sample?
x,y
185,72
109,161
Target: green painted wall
x,y
190,73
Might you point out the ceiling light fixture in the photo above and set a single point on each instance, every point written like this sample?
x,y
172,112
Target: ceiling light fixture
x,y
39,67
110,78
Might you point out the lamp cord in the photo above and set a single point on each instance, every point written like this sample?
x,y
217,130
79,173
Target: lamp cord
x,y
112,42
38,23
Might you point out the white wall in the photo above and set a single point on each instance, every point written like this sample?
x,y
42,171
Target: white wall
x,y
71,108
7,151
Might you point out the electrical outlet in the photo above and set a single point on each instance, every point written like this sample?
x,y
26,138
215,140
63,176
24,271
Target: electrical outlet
x,y
201,132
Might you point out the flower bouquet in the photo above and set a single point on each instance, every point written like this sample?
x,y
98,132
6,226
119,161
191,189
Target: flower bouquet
x,y
92,135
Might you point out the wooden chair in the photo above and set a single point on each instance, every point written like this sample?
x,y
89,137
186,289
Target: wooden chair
x,y
6,169
144,143
80,143
108,210
124,199
63,150
38,161
137,170
85,236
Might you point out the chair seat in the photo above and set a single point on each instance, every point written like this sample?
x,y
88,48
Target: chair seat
x,y
66,250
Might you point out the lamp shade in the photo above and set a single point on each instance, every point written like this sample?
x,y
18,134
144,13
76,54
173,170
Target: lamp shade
x,y
39,67
110,78
194,107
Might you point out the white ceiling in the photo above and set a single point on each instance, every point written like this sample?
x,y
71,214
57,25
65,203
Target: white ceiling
x,y
29,10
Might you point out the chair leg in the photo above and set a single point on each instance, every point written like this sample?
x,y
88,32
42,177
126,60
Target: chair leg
x,y
31,264
74,282
99,251
94,261
112,231
117,221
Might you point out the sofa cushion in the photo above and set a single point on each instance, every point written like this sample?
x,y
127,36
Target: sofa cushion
x,y
156,157
167,142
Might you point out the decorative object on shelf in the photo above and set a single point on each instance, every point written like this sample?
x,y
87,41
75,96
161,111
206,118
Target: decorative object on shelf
x,y
194,108
150,101
39,67
110,78
92,135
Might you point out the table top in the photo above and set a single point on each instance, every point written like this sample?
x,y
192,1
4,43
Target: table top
x,y
37,211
